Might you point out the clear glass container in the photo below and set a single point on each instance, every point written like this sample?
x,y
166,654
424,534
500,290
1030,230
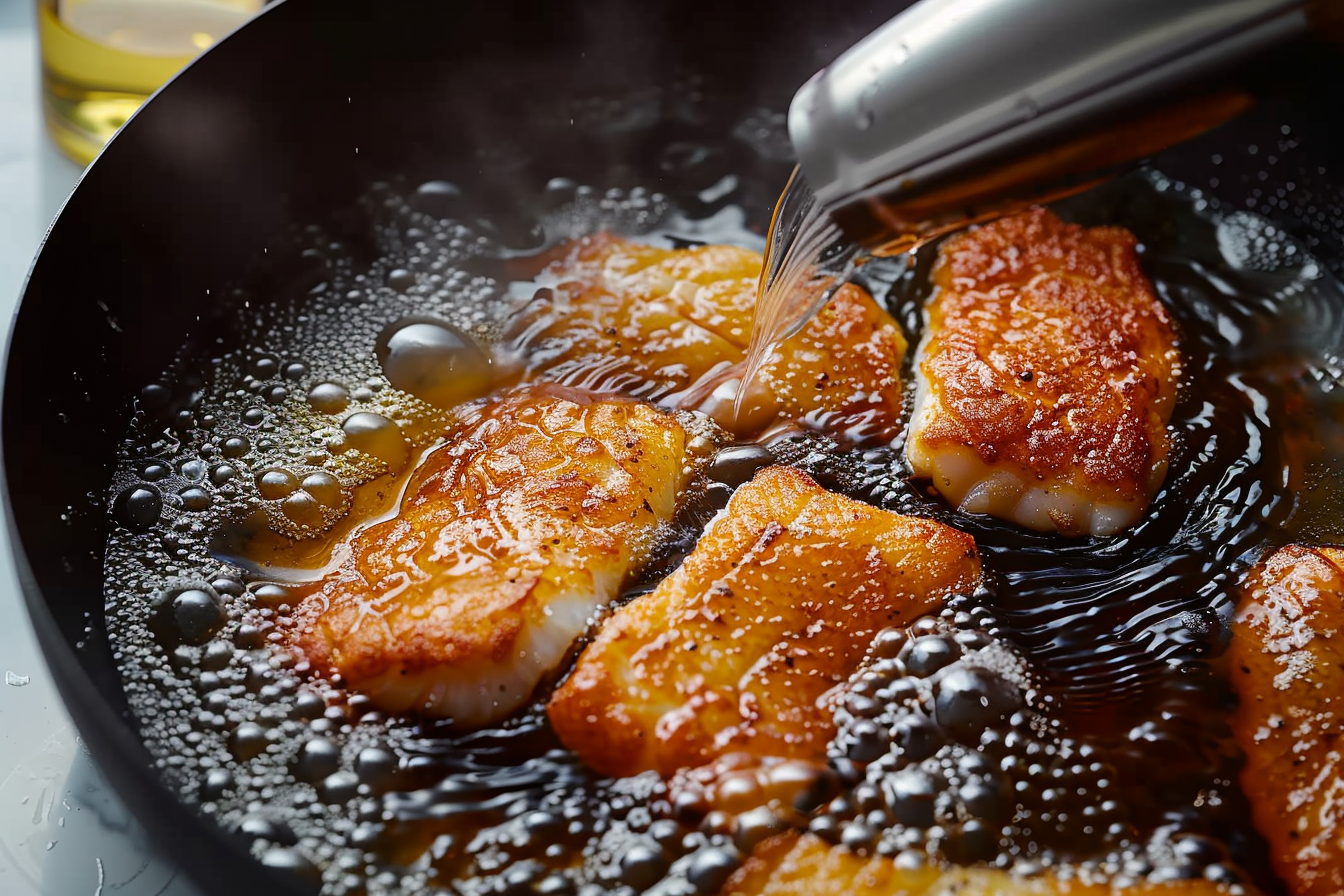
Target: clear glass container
x,y
102,58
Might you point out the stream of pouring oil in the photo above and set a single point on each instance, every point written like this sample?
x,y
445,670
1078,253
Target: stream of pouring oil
x,y
807,257
806,260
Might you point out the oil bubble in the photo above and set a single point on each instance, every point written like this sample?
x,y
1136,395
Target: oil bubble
x,y
377,436
195,614
968,700
435,362
438,198
276,484
736,464
711,868
194,499
303,509
375,765
643,865
329,398
138,507
155,396
271,595
308,705
317,759
561,187
401,279
226,585
194,469
235,447
323,486
339,787
218,781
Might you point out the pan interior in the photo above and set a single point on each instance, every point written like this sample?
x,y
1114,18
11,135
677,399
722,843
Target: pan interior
x,y
148,268
199,562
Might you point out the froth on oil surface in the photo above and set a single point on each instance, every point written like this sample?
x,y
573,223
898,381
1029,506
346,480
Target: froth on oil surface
x,y
244,468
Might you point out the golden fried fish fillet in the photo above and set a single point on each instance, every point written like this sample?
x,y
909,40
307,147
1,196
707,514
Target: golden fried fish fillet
x,y
667,324
790,865
509,537
1287,662
735,651
1046,377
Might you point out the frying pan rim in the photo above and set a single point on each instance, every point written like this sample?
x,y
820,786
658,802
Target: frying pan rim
x,y
112,738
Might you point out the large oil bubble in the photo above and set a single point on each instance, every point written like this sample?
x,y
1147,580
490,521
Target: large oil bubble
x,y
434,361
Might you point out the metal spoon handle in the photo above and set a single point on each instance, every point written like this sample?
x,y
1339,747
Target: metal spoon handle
x,y
955,107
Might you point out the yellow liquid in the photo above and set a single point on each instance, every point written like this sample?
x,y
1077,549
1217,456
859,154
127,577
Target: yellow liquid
x,y
102,58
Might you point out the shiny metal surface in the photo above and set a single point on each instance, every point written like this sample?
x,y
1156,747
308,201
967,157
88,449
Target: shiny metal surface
x,y
950,83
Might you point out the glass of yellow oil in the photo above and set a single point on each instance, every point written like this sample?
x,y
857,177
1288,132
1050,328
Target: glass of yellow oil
x,y
102,58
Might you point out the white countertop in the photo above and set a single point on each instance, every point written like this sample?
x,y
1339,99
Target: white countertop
x,y
62,831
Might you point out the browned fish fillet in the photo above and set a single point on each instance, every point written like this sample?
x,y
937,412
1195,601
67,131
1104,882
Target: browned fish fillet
x,y
734,651
1287,661
509,537
790,865
665,323
1046,377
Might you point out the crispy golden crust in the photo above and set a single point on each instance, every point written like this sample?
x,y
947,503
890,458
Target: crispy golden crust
x,y
1287,657
530,516
658,323
734,651
1047,353
790,865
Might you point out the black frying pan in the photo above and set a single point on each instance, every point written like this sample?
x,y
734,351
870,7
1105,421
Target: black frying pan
x,y
287,121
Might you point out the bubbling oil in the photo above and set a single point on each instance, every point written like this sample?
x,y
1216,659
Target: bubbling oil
x,y
248,469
